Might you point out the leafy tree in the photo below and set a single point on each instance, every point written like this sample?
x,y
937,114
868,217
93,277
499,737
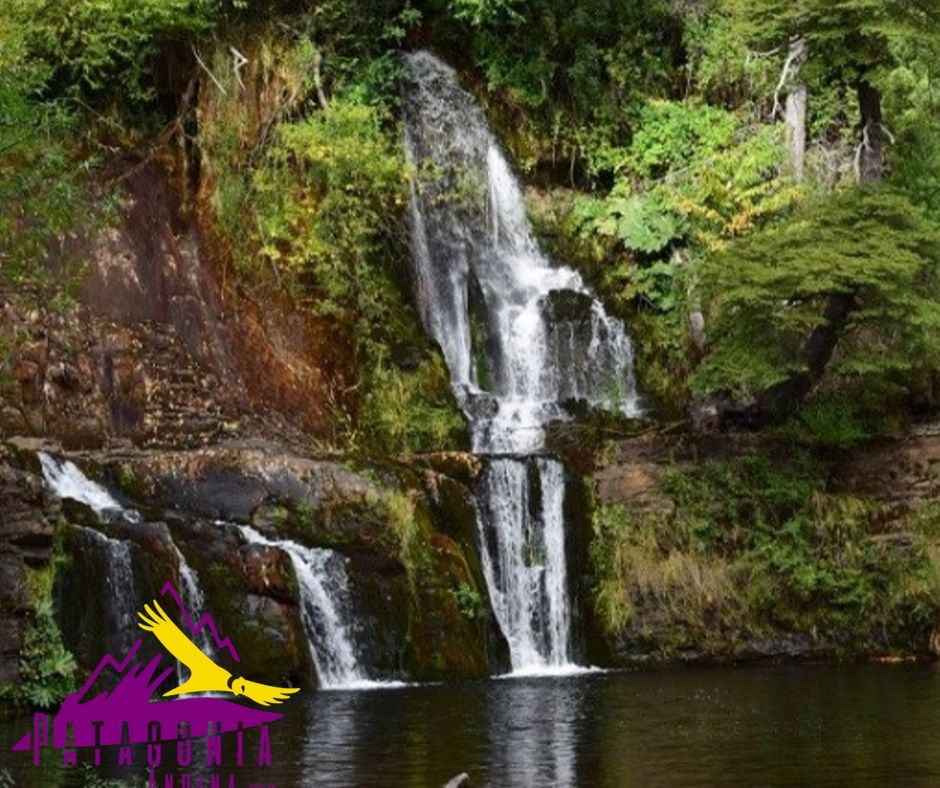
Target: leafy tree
x,y
845,290
567,73
850,40
693,173
107,46
39,185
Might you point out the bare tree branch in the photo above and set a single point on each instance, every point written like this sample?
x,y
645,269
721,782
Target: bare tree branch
x,y
318,80
211,75
239,61
791,66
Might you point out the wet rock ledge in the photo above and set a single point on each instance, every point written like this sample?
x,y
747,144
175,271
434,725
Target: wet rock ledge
x,y
406,530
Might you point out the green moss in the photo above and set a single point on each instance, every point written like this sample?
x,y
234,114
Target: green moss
x,y
413,533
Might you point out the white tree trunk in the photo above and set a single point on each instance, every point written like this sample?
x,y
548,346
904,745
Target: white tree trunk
x,y
795,118
794,113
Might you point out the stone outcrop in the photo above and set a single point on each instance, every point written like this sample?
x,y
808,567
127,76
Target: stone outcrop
x,y
407,534
27,518
157,350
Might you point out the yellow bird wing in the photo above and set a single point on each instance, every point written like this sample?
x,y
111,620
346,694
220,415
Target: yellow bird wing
x,y
265,694
202,669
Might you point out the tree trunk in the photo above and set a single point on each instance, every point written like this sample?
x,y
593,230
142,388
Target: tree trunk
x,y
784,398
870,155
794,114
795,117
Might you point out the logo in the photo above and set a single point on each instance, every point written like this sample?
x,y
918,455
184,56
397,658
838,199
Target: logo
x,y
134,713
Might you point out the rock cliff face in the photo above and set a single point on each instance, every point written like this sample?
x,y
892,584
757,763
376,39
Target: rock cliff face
x,y
201,408
27,523
157,349
902,472
406,535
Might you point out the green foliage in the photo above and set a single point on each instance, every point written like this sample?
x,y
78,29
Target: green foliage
x,y
412,530
470,602
719,65
852,34
767,293
47,668
327,202
829,421
567,71
94,47
408,411
321,211
912,103
641,223
359,41
484,11
40,186
755,549
660,109
692,173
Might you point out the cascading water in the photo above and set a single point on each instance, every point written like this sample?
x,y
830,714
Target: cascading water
x,y
66,480
194,600
524,340
120,605
325,610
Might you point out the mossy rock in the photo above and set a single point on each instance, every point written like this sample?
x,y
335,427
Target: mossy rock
x,y
445,643
251,592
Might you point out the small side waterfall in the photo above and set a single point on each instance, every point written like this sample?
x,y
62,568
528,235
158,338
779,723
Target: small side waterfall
x,y
66,480
120,604
195,602
325,610
524,339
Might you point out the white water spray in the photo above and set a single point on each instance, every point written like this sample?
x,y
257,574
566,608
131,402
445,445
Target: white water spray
x,y
66,480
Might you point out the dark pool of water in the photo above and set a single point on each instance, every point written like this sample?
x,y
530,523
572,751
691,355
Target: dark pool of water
x,y
800,725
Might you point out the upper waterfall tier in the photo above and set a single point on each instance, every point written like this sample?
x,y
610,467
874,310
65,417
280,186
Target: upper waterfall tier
x,y
521,336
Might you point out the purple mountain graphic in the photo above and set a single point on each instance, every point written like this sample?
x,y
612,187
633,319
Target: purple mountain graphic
x,y
133,702
206,622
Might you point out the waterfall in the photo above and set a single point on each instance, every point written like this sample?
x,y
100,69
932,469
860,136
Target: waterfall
x,y
524,559
325,610
194,600
120,600
66,480
523,339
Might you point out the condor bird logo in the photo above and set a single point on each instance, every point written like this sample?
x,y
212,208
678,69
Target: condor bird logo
x,y
204,674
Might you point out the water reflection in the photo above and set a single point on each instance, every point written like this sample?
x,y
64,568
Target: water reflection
x,y
532,729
